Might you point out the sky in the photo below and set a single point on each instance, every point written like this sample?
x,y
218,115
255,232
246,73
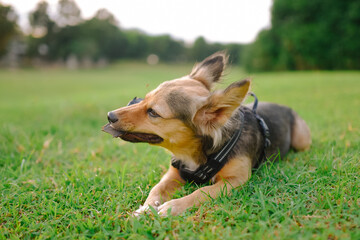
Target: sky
x,y
223,21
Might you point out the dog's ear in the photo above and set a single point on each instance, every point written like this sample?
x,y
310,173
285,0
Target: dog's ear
x,y
220,106
210,70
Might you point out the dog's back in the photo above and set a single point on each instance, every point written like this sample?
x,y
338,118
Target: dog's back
x,y
286,129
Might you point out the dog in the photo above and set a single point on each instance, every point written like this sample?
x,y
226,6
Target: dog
x,y
193,122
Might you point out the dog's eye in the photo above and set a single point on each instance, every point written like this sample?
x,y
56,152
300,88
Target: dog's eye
x,y
152,113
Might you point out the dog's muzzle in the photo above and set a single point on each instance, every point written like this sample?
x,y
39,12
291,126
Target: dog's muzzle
x,y
129,136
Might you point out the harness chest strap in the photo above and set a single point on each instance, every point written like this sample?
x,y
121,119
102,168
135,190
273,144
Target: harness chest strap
x,y
214,164
216,161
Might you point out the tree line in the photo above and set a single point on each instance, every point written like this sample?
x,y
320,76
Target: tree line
x,y
303,35
308,35
100,37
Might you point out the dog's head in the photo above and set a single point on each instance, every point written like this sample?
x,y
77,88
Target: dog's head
x,y
178,113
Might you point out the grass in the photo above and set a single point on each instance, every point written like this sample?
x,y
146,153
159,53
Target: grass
x,y
62,178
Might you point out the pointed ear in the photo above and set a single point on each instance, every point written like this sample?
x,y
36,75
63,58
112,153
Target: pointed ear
x,y
220,107
210,70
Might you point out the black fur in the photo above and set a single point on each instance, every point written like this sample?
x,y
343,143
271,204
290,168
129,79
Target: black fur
x,y
279,119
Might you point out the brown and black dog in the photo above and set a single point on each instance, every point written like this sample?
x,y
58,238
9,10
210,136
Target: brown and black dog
x,y
186,117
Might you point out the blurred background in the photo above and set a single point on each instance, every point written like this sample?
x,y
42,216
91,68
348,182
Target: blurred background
x,y
65,63
260,35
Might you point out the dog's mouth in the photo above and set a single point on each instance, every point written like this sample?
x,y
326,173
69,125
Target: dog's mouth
x,y
134,137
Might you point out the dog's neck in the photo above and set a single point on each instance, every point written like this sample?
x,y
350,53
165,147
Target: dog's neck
x,y
190,154
195,153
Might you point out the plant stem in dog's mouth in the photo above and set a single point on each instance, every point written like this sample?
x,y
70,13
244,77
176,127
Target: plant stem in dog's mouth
x,y
115,133
132,136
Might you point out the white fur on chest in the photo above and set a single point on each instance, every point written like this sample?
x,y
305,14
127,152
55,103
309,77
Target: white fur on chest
x,y
189,163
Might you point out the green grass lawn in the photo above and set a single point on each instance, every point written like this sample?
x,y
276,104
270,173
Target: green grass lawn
x,y
61,177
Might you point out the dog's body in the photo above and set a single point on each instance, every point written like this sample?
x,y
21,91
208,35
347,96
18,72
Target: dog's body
x,y
184,116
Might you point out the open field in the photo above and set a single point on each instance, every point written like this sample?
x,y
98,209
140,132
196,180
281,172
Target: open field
x,y
61,177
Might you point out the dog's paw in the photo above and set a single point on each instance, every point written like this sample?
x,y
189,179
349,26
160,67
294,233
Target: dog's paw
x,y
176,207
141,210
146,208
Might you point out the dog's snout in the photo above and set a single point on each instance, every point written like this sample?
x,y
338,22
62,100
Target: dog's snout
x,y
112,117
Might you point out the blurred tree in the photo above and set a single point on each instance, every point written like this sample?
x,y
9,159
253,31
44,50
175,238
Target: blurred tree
x,y
68,13
166,48
308,35
101,37
263,53
39,19
110,41
235,52
95,38
138,46
41,41
8,26
200,49
104,15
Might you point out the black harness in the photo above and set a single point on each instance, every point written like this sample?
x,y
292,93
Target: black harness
x,y
216,161
264,128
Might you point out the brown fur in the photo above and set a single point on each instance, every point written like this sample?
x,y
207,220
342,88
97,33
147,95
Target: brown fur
x,y
301,136
194,122
233,174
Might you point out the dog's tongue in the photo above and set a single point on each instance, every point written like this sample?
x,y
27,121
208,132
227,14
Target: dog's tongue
x,y
115,133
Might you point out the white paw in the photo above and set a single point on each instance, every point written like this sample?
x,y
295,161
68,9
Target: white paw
x,y
176,207
141,210
146,208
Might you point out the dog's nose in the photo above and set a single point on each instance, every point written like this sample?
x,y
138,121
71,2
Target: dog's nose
x,y
112,117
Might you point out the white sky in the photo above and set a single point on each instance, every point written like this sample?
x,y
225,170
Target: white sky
x,y
218,21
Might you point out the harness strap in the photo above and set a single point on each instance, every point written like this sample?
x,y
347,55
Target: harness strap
x,y
264,128
215,161
134,101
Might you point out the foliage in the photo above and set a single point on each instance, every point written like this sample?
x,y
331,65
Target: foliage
x,y
101,37
166,48
260,55
39,18
68,13
303,35
62,178
202,49
308,35
8,26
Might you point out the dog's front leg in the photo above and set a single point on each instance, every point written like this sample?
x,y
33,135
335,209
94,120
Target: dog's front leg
x,y
236,172
162,191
